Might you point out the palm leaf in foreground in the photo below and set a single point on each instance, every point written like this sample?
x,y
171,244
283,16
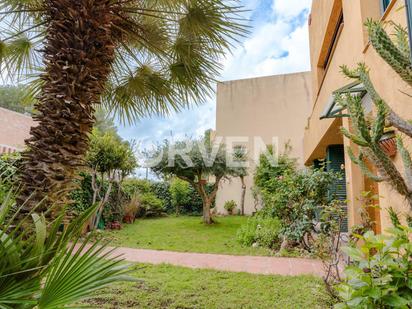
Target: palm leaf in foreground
x,y
43,267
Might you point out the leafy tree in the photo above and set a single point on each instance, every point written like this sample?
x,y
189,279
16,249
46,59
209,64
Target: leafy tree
x,y
13,98
199,160
368,131
180,192
136,57
111,160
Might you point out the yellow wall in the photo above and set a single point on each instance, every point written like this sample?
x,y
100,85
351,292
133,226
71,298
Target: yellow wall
x,y
266,107
352,48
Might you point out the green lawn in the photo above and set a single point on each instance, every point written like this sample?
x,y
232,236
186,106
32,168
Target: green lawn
x,y
165,286
185,234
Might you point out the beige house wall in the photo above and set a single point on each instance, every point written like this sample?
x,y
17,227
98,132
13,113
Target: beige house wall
x,y
14,129
351,48
266,107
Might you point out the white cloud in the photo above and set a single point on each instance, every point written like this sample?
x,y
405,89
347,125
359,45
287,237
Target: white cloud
x,y
290,8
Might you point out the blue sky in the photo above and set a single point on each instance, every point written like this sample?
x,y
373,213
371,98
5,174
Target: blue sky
x,y
278,44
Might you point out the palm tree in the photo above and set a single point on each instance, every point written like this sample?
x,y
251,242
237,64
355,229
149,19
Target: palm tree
x,y
135,57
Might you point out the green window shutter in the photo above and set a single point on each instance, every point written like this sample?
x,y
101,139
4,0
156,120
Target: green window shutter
x,y
335,159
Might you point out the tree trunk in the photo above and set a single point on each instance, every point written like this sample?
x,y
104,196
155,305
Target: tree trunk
x,y
242,197
78,54
207,218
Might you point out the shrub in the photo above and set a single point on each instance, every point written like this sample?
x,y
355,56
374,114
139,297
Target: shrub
x,y
180,193
162,191
380,275
294,196
82,197
132,186
260,230
230,206
149,205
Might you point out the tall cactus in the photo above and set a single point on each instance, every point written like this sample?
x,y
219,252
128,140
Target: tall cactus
x,y
367,133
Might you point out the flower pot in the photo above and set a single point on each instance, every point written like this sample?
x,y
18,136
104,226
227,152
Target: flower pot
x,y
388,143
129,219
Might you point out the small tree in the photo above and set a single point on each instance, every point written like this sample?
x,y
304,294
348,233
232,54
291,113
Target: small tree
x,y
180,192
195,162
109,159
368,131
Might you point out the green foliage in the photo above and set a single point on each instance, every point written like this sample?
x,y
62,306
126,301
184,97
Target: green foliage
x,y
293,196
230,206
9,165
162,191
194,161
380,273
82,197
132,186
149,205
261,230
197,163
108,153
163,59
180,193
13,97
40,266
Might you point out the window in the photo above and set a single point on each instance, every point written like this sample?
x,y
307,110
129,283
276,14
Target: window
x,y
332,46
385,4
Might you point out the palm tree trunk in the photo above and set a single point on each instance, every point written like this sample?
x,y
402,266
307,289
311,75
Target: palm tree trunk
x,y
78,54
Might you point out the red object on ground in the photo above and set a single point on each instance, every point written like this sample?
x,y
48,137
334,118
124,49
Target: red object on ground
x,y
116,225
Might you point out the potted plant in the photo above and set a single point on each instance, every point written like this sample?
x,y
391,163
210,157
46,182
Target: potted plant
x,y
388,142
230,206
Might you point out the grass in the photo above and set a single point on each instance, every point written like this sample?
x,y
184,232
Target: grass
x,y
185,234
166,286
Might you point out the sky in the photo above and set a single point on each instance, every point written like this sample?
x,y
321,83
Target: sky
x,y
278,44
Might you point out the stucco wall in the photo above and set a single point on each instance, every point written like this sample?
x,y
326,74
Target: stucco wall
x,y
351,48
14,129
266,107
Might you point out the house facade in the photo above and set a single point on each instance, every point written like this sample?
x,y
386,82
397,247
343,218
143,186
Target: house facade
x,y
306,118
338,37
14,129
256,112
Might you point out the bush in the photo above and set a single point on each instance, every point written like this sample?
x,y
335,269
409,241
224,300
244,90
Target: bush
x,y
294,196
162,191
380,273
82,197
230,206
149,205
180,193
260,230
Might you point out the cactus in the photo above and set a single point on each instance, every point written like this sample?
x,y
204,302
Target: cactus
x,y
367,133
389,51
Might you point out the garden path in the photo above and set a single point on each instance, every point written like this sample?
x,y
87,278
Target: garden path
x,y
250,264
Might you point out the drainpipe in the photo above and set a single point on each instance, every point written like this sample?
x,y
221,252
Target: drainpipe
x,y
409,18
